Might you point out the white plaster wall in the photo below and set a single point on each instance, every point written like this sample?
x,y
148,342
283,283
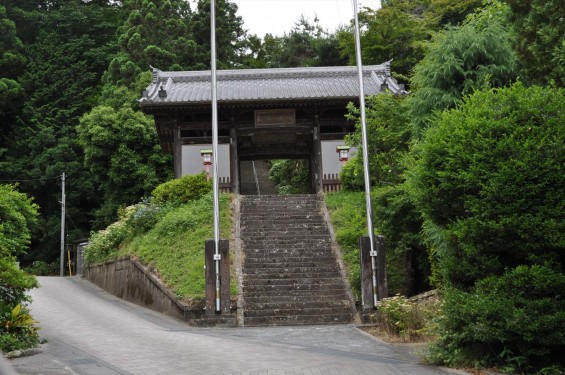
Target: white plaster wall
x,y
192,160
330,158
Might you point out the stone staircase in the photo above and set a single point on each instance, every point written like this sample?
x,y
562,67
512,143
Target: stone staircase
x,y
290,274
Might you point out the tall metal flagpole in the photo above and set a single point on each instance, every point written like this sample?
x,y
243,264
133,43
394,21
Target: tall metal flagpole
x,y
369,209
215,152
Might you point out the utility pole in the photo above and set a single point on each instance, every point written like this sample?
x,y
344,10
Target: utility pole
x,y
62,266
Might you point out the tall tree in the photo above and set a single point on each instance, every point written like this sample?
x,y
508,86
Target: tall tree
x,y
540,41
230,34
12,64
460,60
399,30
307,44
66,58
395,32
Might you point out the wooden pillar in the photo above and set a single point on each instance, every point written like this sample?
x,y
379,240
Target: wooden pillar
x,y
316,158
210,276
367,270
234,161
177,149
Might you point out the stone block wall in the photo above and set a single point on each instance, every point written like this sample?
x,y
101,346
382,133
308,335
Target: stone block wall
x,y
129,280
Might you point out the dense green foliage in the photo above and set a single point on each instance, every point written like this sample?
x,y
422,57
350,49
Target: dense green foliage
x,y
182,190
291,176
515,321
168,236
388,137
175,245
400,29
460,60
499,159
406,257
488,180
18,214
540,39
388,130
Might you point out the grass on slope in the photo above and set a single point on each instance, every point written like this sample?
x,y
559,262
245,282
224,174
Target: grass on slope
x,y
348,214
175,245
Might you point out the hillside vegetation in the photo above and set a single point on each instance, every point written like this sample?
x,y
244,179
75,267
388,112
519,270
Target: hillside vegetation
x,y
167,233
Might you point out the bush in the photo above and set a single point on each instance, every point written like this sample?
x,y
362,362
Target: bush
x,y
488,179
515,321
388,136
182,190
351,175
18,330
41,268
17,215
411,321
406,260
400,223
290,176
132,221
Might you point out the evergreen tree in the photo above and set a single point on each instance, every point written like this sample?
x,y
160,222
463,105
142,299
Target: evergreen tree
x,y
231,46
460,60
12,64
66,57
540,42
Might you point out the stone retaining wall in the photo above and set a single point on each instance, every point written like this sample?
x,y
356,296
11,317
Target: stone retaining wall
x,y
129,280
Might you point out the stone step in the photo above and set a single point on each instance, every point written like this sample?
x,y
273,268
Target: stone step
x,y
290,227
297,304
283,231
255,288
286,240
332,295
292,269
290,263
262,259
281,254
318,249
290,272
297,320
297,312
336,281
301,294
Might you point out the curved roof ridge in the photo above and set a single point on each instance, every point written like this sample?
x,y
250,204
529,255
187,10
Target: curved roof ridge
x,y
269,72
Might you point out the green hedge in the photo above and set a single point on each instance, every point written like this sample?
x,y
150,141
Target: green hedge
x,y
182,190
488,179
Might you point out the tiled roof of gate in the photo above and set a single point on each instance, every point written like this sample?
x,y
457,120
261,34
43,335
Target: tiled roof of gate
x,y
249,85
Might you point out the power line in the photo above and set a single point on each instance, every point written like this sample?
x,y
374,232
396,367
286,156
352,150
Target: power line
x,y
33,179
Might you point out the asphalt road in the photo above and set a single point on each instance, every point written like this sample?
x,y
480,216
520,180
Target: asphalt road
x,y
92,332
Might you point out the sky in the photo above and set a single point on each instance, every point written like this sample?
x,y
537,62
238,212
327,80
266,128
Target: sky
x,y
278,16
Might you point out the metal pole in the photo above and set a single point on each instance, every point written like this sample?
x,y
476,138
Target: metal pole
x,y
365,154
215,153
62,265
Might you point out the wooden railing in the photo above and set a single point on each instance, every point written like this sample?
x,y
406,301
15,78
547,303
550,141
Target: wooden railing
x,y
331,183
224,185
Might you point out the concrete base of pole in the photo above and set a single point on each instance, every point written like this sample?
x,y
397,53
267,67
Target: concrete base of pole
x,y
210,276
367,271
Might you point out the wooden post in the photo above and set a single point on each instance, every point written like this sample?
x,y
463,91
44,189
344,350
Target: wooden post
x,y
210,276
316,159
177,149
367,272
234,161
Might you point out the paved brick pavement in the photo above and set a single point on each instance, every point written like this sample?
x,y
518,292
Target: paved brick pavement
x,y
92,332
